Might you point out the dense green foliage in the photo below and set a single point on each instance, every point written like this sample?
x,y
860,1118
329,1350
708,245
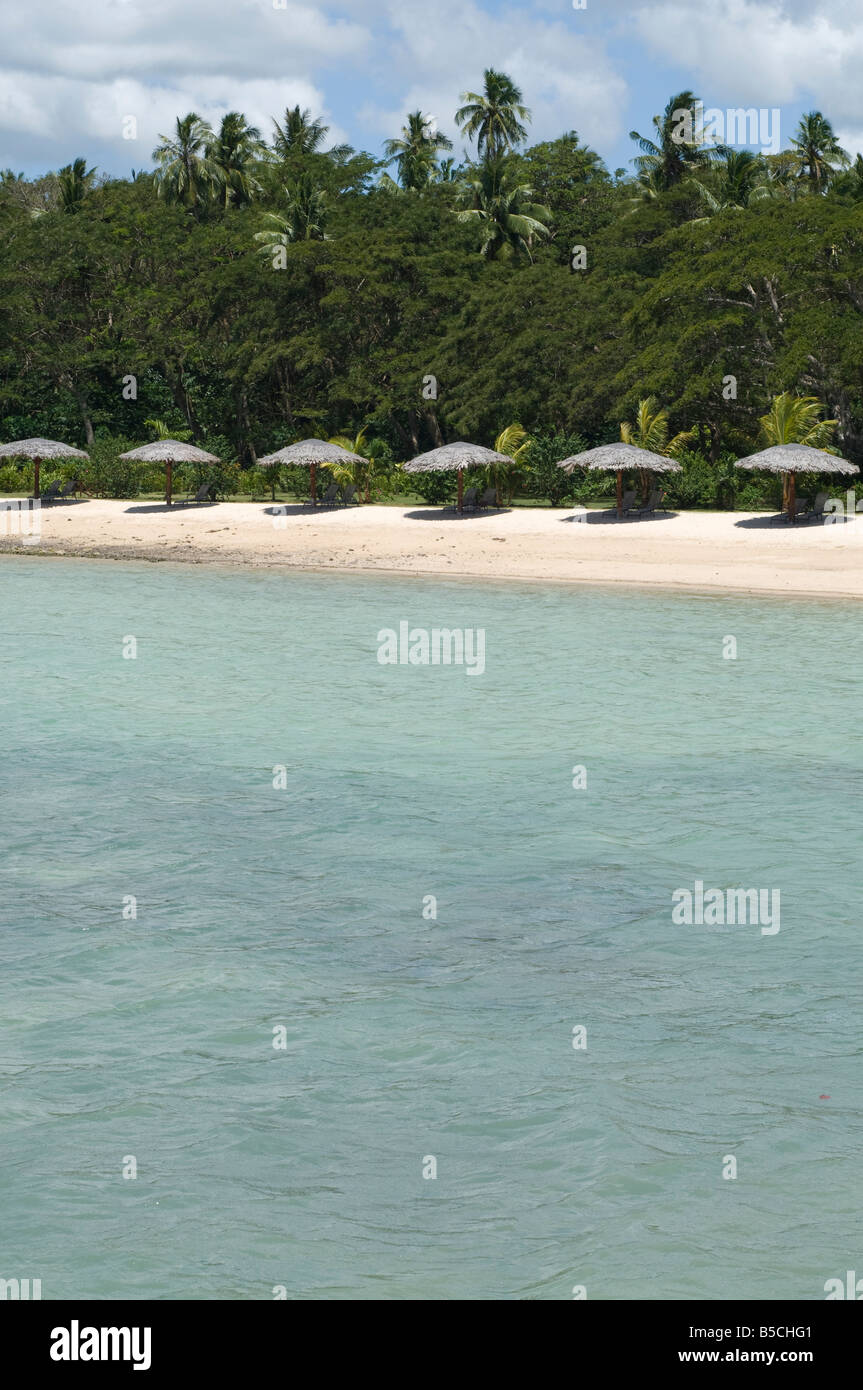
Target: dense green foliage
x,y
259,294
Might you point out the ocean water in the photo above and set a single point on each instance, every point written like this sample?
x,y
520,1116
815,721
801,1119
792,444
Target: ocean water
x,y
409,1037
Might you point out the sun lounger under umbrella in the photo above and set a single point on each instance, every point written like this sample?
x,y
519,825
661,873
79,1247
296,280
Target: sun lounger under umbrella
x,y
620,458
450,458
310,453
791,459
169,452
38,450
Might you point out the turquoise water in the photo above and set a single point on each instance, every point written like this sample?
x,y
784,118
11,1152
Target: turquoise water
x,y
407,1037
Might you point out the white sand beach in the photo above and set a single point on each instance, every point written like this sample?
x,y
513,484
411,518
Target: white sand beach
x,y
741,552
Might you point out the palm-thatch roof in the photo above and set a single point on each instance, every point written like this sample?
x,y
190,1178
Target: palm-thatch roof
x,y
308,452
797,458
453,456
611,458
40,449
170,451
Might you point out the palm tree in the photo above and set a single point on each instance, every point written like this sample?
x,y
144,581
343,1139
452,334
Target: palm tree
x,y
74,182
162,431
665,161
234,151
796,420
494,116
304,217
300,133
515,442
363,475
650,431
187,172
817,150
741,181
505,211
415,153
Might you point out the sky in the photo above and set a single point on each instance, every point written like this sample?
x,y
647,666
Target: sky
x,y
73,72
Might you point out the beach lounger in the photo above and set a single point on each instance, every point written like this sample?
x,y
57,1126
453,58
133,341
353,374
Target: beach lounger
x,y
468,501
202,495
488,499
51,492
349,493
68,490
653,501
629,501
816,511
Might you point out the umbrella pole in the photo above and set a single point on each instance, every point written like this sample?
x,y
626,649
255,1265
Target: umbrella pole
x,y
619,493
169,467
792,498
36,489
313,472
460,491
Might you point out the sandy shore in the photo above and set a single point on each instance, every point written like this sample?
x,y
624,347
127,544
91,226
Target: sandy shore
x,y
739,551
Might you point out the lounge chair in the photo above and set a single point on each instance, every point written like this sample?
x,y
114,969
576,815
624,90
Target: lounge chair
x,y
328,500
202,495
653,501
68,490
349,492
468,501
488,499
51,492
628,504
816,511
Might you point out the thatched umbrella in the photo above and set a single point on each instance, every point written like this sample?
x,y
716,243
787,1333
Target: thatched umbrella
x,y
460,456
38,449
169,452
308,454
792,459
619,458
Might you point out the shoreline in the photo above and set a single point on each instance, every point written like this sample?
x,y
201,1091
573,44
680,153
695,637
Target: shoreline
x,y
696,552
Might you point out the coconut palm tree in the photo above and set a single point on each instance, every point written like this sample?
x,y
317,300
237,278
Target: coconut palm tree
x,y
299,133
667,159
818,151
234,150
162,431
186,172
74,183
415,152
741,180
364,474
494,116
649,430
304,217
505,211
515,442
797,420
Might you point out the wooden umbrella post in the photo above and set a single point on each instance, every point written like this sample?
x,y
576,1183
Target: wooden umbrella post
x,y
169,468
792,498
619,493
36,488
314,475
460,491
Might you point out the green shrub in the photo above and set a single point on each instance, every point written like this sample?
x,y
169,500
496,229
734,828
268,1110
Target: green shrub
x,y
542,477
106,474
434,488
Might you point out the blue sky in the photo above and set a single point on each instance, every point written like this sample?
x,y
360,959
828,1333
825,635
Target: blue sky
x,y
72,74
